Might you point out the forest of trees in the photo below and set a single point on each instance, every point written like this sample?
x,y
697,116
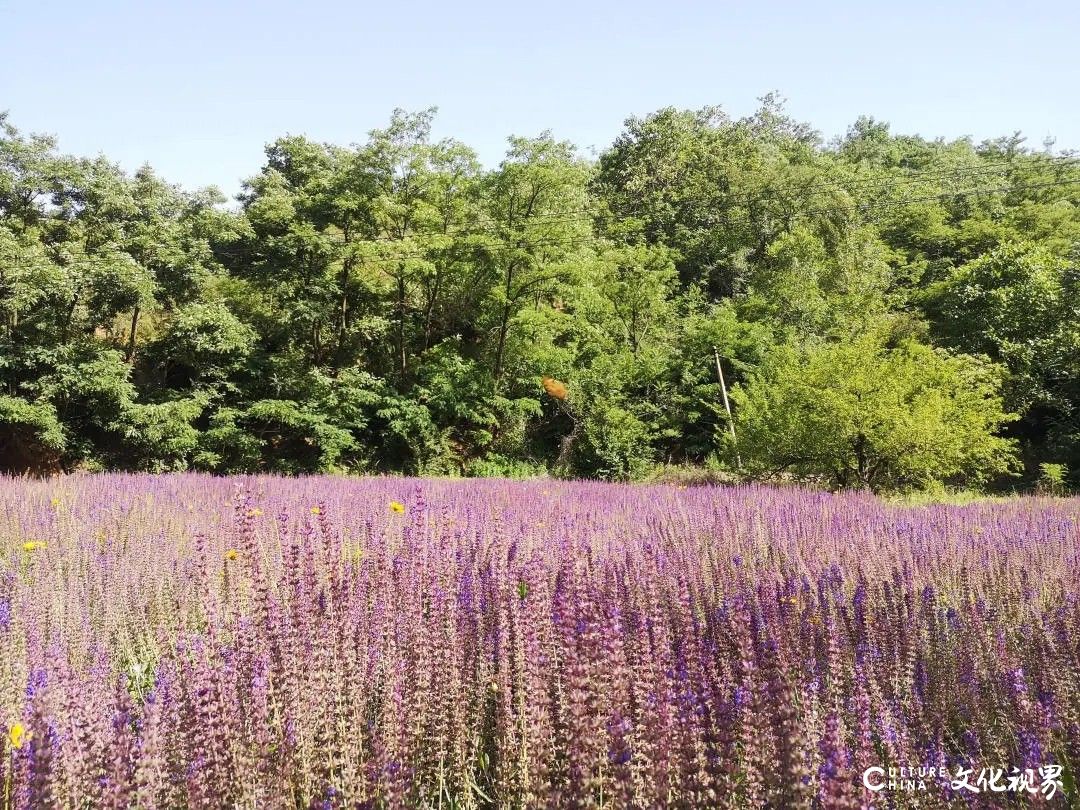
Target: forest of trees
x,y
889,312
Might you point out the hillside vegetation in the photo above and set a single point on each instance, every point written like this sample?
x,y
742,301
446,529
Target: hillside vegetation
x,y
889,312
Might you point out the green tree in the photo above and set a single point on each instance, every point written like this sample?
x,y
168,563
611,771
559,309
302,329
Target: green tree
x,y
866,415
421,190
393,306
535,203
204,343
715,191
639,282
1020,305
31,437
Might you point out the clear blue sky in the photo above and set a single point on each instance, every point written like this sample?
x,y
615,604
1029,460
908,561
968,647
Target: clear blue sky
x,y
197,88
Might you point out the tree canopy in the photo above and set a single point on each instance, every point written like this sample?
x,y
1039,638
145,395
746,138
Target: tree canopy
x,y
890,312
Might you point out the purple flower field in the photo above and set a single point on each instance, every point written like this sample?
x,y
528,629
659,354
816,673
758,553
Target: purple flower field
x,y
189,641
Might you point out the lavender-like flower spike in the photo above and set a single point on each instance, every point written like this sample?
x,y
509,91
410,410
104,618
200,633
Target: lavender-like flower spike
x,y
332,642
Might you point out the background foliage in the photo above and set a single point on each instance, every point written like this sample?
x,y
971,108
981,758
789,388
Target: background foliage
x,y
891,312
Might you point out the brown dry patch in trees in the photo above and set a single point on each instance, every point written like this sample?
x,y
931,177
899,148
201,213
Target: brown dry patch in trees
x,y
554,388
21,455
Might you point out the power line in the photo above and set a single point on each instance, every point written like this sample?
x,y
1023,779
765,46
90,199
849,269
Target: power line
x,y
966,172
520,244
588,214
882,182
983,167
583,239
592,215
855,208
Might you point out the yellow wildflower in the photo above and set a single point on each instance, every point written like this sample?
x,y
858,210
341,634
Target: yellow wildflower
x,y
316,510
55,501
256,512
33,545
397,506
18,735
231,554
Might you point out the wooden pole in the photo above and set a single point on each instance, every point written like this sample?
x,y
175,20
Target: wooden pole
x,y
727,407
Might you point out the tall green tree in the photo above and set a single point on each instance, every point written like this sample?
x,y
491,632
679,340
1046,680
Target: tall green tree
x,y
1019,304
535,207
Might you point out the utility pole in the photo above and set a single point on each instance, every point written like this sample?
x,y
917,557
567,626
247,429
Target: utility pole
x,y
727,407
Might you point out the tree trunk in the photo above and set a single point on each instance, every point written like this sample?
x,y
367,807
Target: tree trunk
x,y
130,353
429,316
66,326
402,366
504,325
862,462
343,305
